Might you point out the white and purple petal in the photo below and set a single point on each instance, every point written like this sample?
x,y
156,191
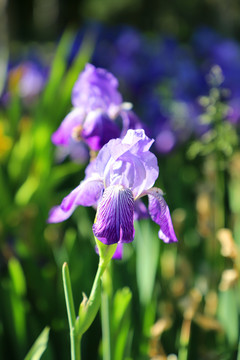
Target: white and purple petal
x,y
137,141
87,193
114,219
160,214
144,170
129,162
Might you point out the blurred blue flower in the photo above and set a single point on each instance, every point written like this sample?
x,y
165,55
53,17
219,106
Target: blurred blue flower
x,y
26,79
212,49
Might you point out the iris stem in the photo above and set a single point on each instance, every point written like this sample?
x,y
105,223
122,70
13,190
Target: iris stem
x,y
75,339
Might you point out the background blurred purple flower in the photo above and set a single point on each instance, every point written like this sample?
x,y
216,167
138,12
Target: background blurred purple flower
x,y
123,172
27,79
212,49
97,108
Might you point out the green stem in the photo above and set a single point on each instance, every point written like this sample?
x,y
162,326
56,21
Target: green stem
x,y
220,194
74,337
238,304
89,307
97,281
105,318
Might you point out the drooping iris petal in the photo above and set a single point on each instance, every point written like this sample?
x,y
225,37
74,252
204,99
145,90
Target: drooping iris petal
x,y
98,129
63,135
140,210
57,215
160,214
85,194
114,219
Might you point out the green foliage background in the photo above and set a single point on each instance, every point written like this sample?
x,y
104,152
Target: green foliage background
x,y
173,287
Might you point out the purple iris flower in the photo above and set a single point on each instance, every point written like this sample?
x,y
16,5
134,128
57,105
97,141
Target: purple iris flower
x,y
123,172
26,79
97,107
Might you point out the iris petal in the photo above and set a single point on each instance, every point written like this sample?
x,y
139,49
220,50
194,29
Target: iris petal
x,y
86,194
98,129
114,220
62,136
160,214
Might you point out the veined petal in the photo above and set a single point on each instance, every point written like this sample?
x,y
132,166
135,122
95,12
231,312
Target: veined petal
x,y
86,194
160,214
114,219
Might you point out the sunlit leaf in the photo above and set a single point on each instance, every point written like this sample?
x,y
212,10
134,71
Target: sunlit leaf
x,y
39,346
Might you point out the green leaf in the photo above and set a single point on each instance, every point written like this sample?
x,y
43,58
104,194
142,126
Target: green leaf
x,y
121,322
228,314
39,346
83,56
58,69
147,254
17,276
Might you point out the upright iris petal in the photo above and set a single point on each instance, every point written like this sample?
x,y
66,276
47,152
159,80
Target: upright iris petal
x,y
114,220
96,88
